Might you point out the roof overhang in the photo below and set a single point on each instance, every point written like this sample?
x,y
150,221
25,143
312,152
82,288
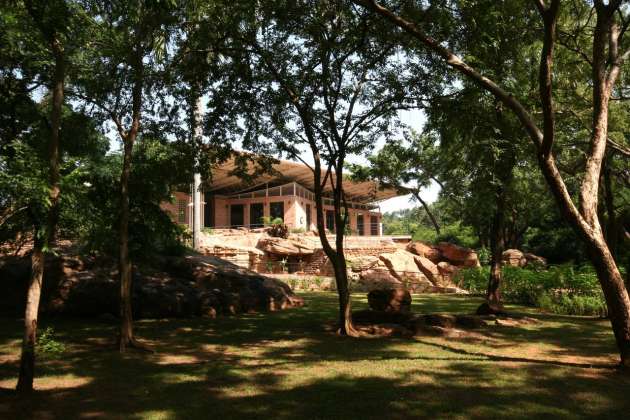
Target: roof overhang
x,y
225,181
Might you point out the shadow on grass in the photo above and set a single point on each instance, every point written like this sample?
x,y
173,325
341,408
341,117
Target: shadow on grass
x,y
286,365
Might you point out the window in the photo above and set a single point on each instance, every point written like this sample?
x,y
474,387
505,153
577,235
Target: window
x,y
330,220
360,225
237,215
256,213
182,205
373,225
276,210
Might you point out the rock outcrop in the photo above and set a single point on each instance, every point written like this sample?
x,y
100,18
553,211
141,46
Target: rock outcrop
x,y
176,287
390,300
402,265
281,246
516,258
425,250
458,255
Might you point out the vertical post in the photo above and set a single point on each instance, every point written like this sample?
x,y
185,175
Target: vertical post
x,y
196,220
196,193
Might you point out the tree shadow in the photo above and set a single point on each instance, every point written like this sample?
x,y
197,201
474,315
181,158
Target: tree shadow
x,y
287,365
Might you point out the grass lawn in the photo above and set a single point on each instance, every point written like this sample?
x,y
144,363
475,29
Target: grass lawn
x,y
286,365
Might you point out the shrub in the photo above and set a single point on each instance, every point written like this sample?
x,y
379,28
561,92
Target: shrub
x,y
47,345
561,289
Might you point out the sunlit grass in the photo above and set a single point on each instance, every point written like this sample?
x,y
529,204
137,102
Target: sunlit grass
x,y
289,365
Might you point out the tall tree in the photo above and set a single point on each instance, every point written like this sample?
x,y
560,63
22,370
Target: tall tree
x,y
321,81
125,68
607,36
52,21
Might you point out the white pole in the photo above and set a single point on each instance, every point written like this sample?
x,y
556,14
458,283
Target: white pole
x,y
196,198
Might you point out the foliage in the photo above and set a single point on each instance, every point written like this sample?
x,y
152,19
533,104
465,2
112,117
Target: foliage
x,y
268,221
48,345
278,230
564,289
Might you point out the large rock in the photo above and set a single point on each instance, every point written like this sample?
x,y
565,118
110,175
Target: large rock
x,y
535,260
281,246
390,300
459,255
425,250
402,265
428,268
377,277
514,258
176,287
361,263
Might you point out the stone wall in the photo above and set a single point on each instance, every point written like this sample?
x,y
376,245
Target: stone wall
x,y
320,265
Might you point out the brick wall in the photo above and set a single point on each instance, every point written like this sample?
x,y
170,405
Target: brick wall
x,y
318,263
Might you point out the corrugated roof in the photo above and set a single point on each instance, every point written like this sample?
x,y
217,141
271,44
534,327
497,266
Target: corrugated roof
x,y
225,182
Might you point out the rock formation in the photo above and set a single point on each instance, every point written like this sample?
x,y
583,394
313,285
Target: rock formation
x,y
516,258
173,287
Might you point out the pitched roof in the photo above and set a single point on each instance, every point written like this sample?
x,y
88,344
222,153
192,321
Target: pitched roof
x,y
224,181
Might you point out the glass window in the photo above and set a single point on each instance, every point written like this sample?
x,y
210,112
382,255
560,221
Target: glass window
x,y
181,211
276,210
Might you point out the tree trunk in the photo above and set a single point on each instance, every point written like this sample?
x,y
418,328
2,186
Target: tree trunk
x,y
497,246
126,336
584,220
27,360
434,222
615,294
612,230
124,263
336,255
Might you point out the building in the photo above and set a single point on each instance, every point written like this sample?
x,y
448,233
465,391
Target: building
x,y
285,193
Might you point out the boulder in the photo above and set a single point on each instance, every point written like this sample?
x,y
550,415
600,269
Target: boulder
x,y
402,265
428,268
390,300
514,258
534,260
361,263
377,277
281,246
517,258
172,287
446,269
459,255
424,250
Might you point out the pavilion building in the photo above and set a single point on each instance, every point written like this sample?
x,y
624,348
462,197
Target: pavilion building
x,y
286,193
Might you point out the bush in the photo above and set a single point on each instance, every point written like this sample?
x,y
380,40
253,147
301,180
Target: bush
x,y
47,345
561,289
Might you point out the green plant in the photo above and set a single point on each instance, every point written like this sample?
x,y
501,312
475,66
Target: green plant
x,y
46,343
297,230
208,230
563,289
279,230
269,265
484,255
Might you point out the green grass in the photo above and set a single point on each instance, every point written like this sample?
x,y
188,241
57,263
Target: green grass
x,y
287,365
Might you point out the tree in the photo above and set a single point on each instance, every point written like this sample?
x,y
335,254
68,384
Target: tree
x,y
406,167
608,56
126,67
52,23
319,80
